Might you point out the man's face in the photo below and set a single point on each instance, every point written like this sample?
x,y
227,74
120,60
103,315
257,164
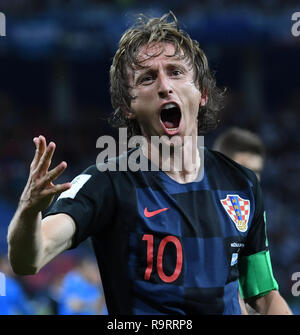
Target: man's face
x,y
251,160
166,99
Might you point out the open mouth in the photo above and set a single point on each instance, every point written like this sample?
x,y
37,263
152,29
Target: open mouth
x,y
170,117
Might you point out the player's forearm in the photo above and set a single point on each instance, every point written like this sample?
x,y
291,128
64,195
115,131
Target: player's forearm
x,y
25,241
272,304
278,307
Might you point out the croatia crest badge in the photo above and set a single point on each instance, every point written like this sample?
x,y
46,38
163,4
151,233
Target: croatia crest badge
x,y
238,209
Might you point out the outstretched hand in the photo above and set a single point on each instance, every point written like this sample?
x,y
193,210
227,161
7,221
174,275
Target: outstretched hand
x,y
40,190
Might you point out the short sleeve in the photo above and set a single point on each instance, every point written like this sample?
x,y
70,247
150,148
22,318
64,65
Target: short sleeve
x,y
89,201
255,269
256,239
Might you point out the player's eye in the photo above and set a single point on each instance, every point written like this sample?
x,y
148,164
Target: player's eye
x,y
147,79
176,72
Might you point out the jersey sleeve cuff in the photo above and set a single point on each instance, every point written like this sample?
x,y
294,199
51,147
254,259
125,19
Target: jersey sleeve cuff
x,y
256,275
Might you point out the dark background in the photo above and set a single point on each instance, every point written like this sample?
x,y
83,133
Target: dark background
x,y
54,66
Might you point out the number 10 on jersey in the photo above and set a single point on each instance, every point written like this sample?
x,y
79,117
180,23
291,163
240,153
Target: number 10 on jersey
x,y
149,238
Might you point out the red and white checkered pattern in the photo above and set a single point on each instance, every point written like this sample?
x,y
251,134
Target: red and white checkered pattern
x,y
241,225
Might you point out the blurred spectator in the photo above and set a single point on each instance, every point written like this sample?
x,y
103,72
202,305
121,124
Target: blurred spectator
x,y
15,300
242,146
80,293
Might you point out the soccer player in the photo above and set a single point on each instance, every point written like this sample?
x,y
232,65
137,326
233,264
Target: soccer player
x,y
167,241
244,147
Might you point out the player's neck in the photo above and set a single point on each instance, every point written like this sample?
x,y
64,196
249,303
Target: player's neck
x,y
190,168
180,162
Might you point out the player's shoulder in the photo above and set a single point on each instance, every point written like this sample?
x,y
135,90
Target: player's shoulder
x,y
90,180
91,172
105,169
216,161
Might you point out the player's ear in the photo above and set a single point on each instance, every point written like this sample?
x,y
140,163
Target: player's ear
x,y
203,97
128,112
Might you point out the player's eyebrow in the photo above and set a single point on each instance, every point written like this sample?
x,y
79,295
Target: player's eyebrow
x,y
140,72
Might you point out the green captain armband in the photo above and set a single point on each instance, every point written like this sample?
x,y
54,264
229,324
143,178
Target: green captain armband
x,y
256,275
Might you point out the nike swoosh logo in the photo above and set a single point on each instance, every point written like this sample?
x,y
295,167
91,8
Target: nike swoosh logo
x,y
150,214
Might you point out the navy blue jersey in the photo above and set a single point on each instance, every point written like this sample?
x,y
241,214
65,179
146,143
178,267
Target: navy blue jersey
x,y
169,248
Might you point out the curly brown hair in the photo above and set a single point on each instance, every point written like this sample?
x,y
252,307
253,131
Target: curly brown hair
x,y
146,31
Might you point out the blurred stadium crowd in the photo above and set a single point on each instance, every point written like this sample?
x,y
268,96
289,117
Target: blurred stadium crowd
x,y
54,66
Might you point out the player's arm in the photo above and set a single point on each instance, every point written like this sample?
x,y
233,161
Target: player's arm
x,y
272,303
33,242
258,285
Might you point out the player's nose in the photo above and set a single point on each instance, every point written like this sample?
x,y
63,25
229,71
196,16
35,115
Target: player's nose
x,y
164,85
